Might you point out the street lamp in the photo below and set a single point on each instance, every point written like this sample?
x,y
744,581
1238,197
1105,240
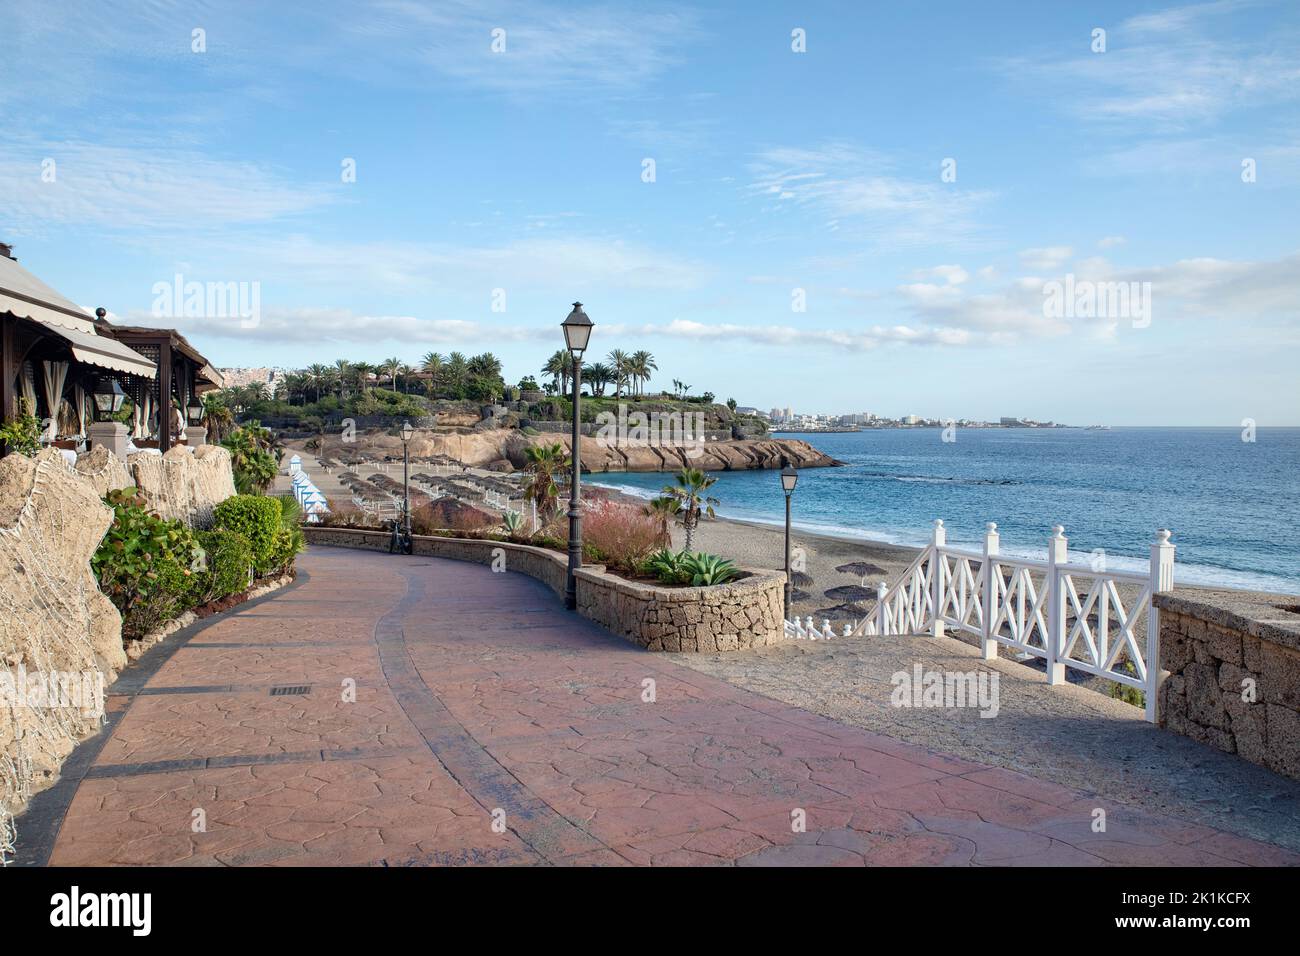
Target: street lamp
x,y
577,331
406,433
109,398
194,409
789,478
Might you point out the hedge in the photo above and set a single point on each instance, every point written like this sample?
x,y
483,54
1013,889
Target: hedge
x,y
258,519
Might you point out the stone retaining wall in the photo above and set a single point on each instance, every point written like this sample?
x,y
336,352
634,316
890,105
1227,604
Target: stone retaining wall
x,y
1234,673
741,614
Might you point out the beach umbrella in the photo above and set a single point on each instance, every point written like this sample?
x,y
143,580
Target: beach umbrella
x,y
798,595
862,569
801,579
839,612
851,593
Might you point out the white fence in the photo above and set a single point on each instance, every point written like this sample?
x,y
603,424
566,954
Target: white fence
x,y
1080,616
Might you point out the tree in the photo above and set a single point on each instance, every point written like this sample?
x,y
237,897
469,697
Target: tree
x,y
689,493
319,376
643,363
343,376
618,361
731,404
456,374
559,367
389,367
663,510
251,460
599,375
542,463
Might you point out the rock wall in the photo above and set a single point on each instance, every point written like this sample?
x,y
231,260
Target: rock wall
x,y
182,486
54,621
742,614
1234,673
739,615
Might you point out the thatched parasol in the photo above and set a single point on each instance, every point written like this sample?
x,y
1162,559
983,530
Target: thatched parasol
x,y
862,569
798,595
851,593
839,612
801,579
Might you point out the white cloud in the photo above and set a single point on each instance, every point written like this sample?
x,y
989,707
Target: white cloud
x,y
1172,67
952,274
861,190
1108,242
157,188
1047,258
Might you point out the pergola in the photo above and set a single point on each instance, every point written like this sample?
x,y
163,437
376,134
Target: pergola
x,y
51,354
183,373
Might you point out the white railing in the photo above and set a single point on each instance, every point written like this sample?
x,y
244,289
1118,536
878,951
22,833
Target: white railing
x,y
1078,616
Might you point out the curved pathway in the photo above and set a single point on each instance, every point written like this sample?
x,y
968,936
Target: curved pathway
x,y
413,711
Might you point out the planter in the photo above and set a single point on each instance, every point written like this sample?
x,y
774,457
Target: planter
x,y
743,613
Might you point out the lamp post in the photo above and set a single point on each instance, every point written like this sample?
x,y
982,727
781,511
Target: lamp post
x,y
577,331
407,432
108,399
789,478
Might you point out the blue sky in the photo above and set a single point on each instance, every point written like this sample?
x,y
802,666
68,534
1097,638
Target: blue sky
x,y
775,171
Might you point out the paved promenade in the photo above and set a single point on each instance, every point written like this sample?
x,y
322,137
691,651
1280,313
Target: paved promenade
x,y
457,716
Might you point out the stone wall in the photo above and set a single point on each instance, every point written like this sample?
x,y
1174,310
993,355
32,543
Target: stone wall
x,y
1233,660
742,614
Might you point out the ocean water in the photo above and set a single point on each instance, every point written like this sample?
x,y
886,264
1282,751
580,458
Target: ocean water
x,y
1231,504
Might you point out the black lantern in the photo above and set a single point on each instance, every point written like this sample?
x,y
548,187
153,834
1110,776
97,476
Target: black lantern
x,y
109,398
789,478
407,431
577,330
194,410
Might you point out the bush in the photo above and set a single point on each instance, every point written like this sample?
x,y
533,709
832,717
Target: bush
x,y
258,519
450,515
229,563
22,433
620,533
150,568
251,458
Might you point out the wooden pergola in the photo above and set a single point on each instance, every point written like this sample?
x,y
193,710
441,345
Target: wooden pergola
x,y
183,372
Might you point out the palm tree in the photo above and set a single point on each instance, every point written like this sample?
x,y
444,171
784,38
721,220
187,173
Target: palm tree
x,y
318,375
457,372
643,363
689,494
486,366
618,360
663,510
599,375
342,376
404,372
361,372
217,418
543,462
432,363
559,367
389,367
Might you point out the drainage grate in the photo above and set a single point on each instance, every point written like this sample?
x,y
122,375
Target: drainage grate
x,y
291,690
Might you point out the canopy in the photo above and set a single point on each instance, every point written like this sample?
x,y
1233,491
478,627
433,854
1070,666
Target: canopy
x,y
27,297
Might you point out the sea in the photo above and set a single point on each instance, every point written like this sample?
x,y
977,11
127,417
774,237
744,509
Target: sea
x,y
1229,496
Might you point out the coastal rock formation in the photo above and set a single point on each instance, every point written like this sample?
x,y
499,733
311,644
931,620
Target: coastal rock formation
x,y
738,455
484,448
54,621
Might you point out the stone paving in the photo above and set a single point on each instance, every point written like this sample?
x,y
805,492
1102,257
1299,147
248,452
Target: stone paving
x,y
490,726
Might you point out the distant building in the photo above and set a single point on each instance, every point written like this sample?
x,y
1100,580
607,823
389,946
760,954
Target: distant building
x,y
910,420
748,410
1009,422
242,377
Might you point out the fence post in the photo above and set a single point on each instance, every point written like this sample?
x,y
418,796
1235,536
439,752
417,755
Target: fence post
x,y
1057,555
989,646
1162,581
937,541
882,594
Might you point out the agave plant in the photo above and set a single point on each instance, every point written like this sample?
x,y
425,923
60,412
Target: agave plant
x,y
708,569
512,523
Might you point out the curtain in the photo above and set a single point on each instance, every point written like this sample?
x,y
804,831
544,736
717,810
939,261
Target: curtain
x,y
54,374
137,418
27,386
79,409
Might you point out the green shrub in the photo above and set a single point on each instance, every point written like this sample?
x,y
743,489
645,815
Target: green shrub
x,y
22,433
251,458
258,519
150,568
228,560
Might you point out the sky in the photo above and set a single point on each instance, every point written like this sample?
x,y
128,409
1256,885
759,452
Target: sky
x,y
835,207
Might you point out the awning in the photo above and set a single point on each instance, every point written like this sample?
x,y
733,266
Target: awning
x,y
28,297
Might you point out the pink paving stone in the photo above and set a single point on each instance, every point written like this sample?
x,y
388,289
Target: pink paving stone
x,y
477,691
